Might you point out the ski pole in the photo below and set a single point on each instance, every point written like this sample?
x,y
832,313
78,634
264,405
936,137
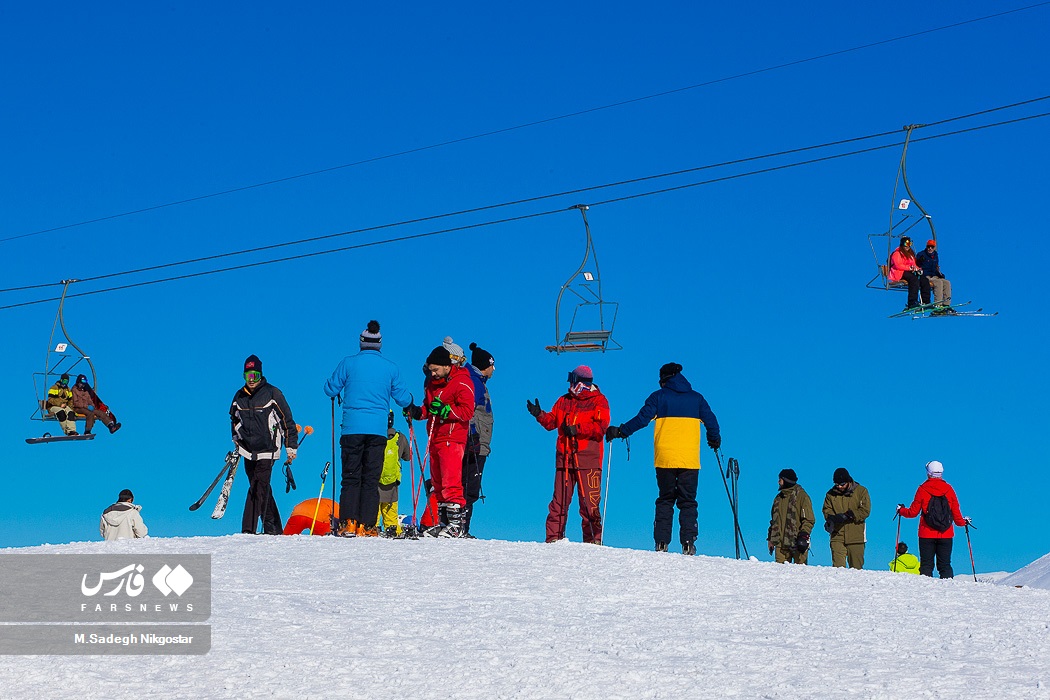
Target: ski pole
x,y
306,430
736,522
897,543
970,545
320,493
733,470
608,478
332,519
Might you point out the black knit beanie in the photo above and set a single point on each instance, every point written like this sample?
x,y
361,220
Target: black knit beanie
x,y
842,476
439,356
253,364
789,476
482,359
669,370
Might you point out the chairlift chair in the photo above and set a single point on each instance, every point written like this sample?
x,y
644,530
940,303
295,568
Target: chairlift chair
x,y
898,217
61,358
590,329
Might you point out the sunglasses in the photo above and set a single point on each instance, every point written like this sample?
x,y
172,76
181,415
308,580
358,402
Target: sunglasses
x,y
253,376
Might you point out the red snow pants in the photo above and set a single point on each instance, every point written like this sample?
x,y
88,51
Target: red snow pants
x,y
588,482
446,472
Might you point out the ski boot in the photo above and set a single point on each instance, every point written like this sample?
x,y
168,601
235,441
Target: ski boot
x,y
454,513
113,427
366,531
661,546
345,528
688,549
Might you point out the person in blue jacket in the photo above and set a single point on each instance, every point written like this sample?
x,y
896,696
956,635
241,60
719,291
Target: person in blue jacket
x,y
678,411
930,263
366,384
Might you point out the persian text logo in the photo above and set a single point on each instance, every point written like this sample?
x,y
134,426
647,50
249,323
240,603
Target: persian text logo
x,y
130,575
169,580
131,581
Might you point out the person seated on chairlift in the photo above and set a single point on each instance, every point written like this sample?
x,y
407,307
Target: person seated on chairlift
x,y
60,405
904,267
87,403
930,263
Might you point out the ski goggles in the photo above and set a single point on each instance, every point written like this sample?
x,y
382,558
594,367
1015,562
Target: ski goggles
x,y
253,376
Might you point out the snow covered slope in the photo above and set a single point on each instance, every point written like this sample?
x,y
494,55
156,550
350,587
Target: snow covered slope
x,y
1036,575
297,617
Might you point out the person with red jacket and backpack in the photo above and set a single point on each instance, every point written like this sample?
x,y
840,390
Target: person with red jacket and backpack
x,y
581,417
448,405
936,501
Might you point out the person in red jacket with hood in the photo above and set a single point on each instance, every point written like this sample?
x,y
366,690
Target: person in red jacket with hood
x,y
934,544
448,404
581,417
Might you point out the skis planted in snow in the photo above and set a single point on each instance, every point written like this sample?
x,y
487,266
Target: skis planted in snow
x,y
231,458
227,486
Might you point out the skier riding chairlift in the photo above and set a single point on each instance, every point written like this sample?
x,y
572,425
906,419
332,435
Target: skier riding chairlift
x,y
882,280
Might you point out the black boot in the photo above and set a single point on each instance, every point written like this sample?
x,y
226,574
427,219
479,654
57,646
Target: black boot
x,y
455,521
113,427
661,546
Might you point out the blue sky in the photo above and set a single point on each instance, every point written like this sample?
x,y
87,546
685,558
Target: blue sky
x,y
755,284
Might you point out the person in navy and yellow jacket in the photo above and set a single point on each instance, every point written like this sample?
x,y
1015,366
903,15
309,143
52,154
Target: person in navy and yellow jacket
x,y
678,411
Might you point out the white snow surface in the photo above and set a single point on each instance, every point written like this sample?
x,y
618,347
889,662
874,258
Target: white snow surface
x,y
1035,575
301,617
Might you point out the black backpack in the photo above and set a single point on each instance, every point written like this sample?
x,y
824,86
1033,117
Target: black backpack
x,y
938,514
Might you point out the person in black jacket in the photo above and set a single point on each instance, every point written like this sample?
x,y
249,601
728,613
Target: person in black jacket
x,y
261,421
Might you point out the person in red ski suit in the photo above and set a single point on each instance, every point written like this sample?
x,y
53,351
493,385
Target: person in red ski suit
x,y
935,545
448,405
581,417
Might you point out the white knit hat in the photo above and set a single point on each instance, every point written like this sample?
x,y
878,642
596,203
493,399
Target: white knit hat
x,y
934,470
458,356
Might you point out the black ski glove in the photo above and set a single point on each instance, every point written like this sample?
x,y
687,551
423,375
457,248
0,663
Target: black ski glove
x,y
613,432
289,480
534,408
413,412
802,542
839,518
714,442
850,517
569,430
770,548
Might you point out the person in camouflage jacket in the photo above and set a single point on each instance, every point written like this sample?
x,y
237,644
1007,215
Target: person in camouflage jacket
x,y
791,521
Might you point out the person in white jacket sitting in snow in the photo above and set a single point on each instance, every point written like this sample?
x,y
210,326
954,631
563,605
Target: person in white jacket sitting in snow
x,y
121,521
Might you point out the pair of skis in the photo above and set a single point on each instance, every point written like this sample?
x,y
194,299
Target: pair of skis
x,y
938,310
229,470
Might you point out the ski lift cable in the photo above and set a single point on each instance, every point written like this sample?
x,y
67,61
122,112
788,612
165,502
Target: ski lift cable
x,y
811,161
624,198
526,125
530,200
